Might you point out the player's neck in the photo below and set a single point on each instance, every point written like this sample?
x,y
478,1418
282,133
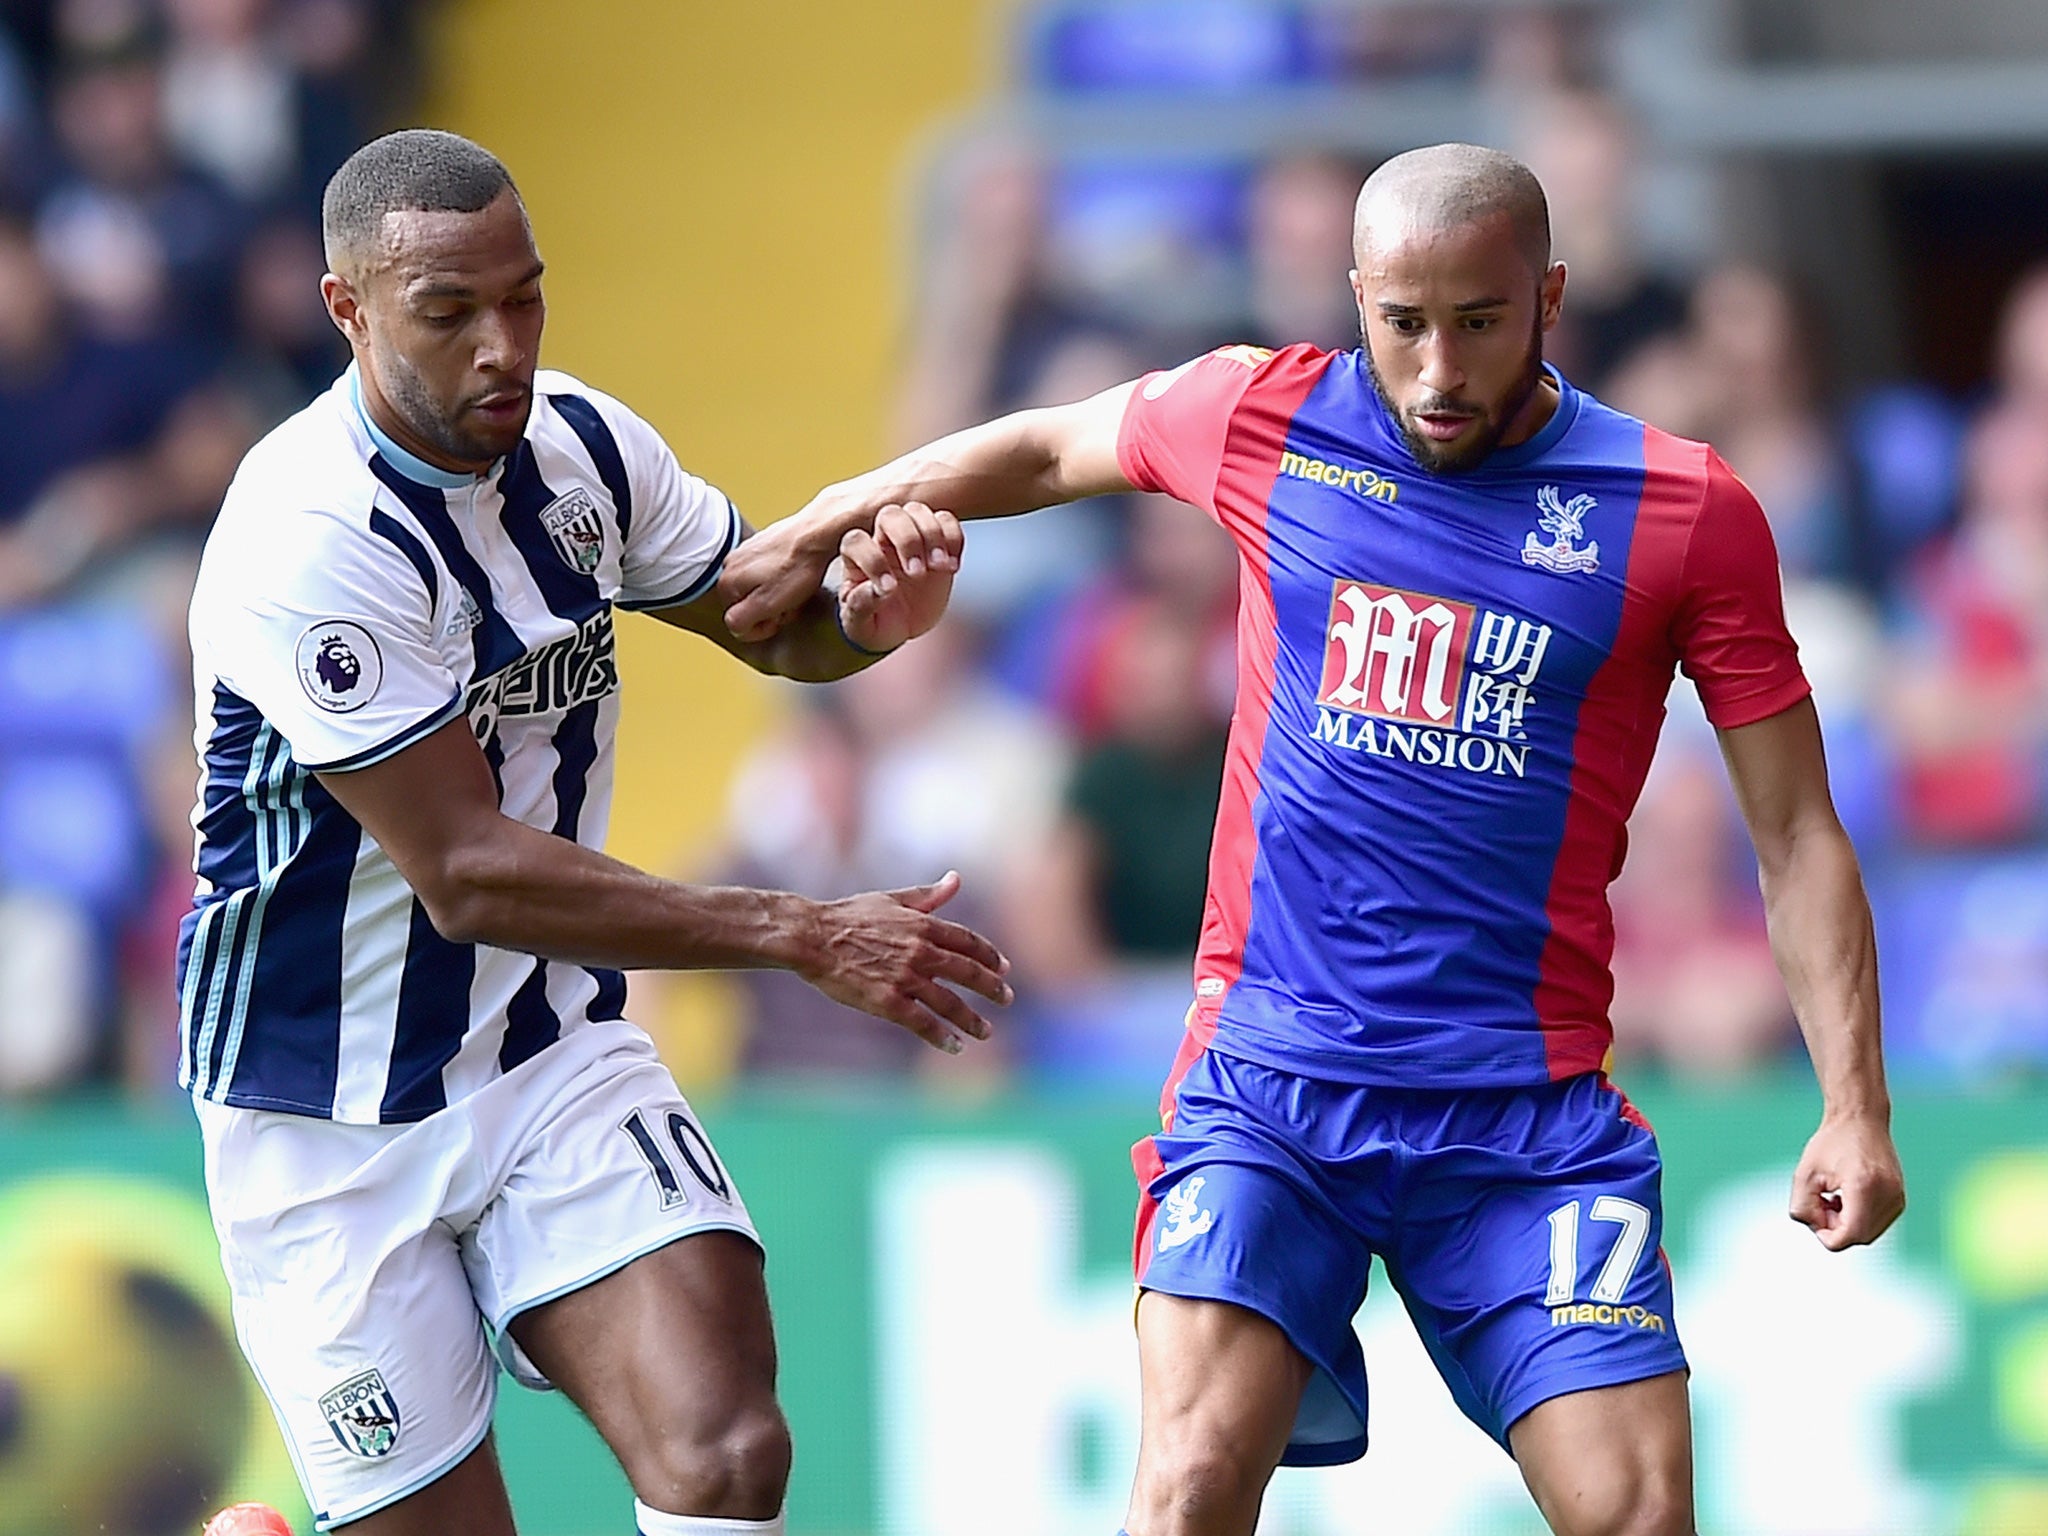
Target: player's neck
x,y
1535,413
381,415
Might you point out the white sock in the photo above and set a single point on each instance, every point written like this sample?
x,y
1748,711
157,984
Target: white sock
x,y
653,1522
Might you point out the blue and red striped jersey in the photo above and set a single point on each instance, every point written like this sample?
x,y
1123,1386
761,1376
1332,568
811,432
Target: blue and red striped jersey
x,y
1449,690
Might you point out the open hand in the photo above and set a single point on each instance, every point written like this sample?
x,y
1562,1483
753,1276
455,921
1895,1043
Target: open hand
x,y
884,953
900,577
1849,1186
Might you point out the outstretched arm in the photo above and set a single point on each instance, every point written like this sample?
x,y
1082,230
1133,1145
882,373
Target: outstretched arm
x,y
1849,1187
487,879
1014,464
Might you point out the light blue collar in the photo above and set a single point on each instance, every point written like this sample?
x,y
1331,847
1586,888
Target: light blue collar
x,y
410,465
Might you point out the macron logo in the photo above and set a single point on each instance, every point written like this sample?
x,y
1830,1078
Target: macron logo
x,y
1370,484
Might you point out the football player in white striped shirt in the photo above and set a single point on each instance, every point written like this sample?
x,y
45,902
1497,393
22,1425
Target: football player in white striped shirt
x,y
429,1128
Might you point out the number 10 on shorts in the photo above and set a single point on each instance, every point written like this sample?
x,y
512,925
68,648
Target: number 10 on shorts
x,y
691,1146
1620,1268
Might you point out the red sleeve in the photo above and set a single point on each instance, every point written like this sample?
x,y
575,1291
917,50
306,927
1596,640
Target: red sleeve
x,y
1729,627
1175,426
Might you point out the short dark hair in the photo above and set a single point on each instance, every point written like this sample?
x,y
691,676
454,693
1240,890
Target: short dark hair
x,y
414,168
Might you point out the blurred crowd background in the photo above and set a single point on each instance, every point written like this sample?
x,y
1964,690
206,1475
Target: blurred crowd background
x,y
1863,335
160,176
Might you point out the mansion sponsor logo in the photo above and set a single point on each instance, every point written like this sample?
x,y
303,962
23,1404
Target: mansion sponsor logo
x,y
1428,680
1368,483
1432,749
1574,1313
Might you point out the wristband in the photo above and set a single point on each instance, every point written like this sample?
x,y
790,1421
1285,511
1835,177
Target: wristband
x,y
839,620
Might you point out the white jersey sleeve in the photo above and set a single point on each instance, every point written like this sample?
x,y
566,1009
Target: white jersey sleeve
x,y
681,528
333,639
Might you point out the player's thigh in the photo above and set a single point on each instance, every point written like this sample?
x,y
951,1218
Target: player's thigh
x,y
1611,1461
1218,1380
469,1501
677,1346
351,1300
1249,1286
1530,1259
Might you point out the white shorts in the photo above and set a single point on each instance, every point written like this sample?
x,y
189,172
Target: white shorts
x,y
372,1265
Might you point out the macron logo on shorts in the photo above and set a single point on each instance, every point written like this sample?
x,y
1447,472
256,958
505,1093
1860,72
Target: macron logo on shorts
x,y
1185,1219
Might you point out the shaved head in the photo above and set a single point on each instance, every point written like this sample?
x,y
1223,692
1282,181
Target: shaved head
x,y
1446,187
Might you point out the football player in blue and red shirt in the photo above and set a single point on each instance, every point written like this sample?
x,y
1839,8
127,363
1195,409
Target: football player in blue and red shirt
x,y
1466,586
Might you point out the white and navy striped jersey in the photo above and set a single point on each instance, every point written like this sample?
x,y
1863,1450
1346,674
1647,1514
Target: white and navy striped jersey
x,y
352,599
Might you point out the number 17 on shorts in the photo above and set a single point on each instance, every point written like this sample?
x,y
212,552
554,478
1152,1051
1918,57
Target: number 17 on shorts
x,y
1604,1299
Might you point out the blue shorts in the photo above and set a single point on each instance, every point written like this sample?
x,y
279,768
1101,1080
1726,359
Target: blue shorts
x,y
1519,1226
